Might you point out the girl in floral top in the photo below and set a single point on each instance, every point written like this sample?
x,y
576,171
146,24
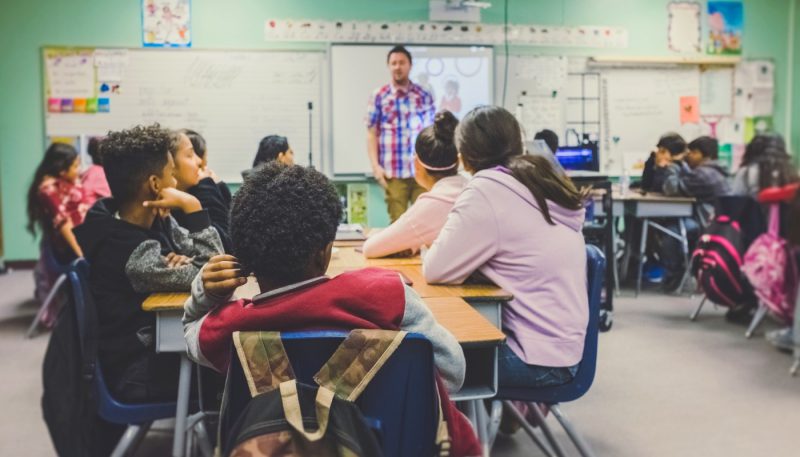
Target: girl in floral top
x,y
56,204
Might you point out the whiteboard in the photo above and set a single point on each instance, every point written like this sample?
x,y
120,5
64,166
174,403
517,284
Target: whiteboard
x,y
639,105
358,70
233,98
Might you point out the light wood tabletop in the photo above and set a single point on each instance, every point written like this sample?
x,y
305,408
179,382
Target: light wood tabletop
x,y
351,257
634,195
463,321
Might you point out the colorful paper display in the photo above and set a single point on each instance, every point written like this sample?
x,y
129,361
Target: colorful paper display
x,y
166,23
444,33
725,25
690,110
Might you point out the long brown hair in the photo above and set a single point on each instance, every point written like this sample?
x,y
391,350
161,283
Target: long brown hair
x,y
490,136
57,159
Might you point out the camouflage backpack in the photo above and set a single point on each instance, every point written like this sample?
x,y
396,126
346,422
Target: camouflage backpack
x,y
283,417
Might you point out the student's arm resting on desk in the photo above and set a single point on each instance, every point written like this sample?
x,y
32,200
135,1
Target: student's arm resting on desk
x,y
149,271
398,237
198,239
467,241
447,353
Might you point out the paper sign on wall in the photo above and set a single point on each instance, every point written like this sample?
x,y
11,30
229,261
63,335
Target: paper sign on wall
x,y
166,23
684,27
70,76
690,110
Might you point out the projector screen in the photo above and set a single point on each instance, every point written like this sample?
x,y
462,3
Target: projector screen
x,y
458,77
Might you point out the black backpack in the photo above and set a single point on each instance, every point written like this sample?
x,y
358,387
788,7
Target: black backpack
x,y
68,403
285,417
716,264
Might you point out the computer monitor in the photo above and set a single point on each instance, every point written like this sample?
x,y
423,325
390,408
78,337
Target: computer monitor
x,y
583,157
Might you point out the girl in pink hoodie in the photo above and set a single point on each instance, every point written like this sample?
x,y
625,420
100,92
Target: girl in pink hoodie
x,y
435,169
518,222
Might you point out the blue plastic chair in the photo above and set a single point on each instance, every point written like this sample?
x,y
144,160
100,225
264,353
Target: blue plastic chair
x,y
399,403
138,417
552,396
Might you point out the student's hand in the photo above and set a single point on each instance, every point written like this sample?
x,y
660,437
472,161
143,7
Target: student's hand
x,y
177,260
171,198
402,254
222,275
209,173
662,159
380,175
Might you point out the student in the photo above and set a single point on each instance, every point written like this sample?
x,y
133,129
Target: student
x,y
133,251
93,179
518,223
784,338
699,175
765,164
272,147
283,223
200,149
669,145
193,180
549,137
436,169
696,174
56,205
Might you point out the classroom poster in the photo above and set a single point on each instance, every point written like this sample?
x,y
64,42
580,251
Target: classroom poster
x,y
166,23
725,25
684,27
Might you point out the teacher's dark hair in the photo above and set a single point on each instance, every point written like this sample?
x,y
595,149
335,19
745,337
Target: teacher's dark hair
x,y
490,136
401,49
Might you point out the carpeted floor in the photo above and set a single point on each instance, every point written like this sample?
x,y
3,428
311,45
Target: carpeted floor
x,y
665,386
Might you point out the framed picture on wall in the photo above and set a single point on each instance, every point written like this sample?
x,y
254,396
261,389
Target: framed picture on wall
x,y
166,23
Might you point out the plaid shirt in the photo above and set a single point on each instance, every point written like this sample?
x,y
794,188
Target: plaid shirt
x,y
399,114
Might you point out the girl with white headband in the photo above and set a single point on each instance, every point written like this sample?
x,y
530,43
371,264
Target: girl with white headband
x,y
436,169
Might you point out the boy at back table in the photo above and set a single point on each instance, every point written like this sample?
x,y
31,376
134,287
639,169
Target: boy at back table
x,y
135,248
283,223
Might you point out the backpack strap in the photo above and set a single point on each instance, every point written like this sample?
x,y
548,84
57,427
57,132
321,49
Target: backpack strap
x,y
357,360
264,360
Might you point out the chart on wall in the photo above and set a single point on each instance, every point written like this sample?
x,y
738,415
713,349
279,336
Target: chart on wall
x,y
233,98
458,78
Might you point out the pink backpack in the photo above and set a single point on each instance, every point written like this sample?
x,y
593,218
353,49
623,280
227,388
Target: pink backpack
x,y
770,266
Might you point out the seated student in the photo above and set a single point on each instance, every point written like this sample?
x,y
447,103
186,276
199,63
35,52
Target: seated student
x,y
56,205
93,179
669,145
271,147
192,180
518,223
200,149
695,174
549,137
765,164
283,223
436,169
133,251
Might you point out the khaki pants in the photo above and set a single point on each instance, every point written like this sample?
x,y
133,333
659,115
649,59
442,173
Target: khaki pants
x,y
399,193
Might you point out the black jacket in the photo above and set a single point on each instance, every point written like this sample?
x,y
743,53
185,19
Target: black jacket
x,y
127,264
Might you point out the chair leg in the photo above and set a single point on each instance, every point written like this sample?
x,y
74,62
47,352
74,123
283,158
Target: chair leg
x,y
534,408
757,318
45,305
495,415
577,440
642,250
131,439
482,424
529,429
696,312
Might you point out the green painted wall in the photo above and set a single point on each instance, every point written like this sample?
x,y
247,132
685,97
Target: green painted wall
x,y
27,26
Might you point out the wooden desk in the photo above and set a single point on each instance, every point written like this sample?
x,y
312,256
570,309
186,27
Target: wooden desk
x,y
348,257
648,206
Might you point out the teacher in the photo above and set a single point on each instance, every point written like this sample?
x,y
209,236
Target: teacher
x,y
397,112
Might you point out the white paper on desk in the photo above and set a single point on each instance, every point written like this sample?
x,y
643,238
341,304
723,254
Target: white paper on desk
x,y
716,92
71,76
684,27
